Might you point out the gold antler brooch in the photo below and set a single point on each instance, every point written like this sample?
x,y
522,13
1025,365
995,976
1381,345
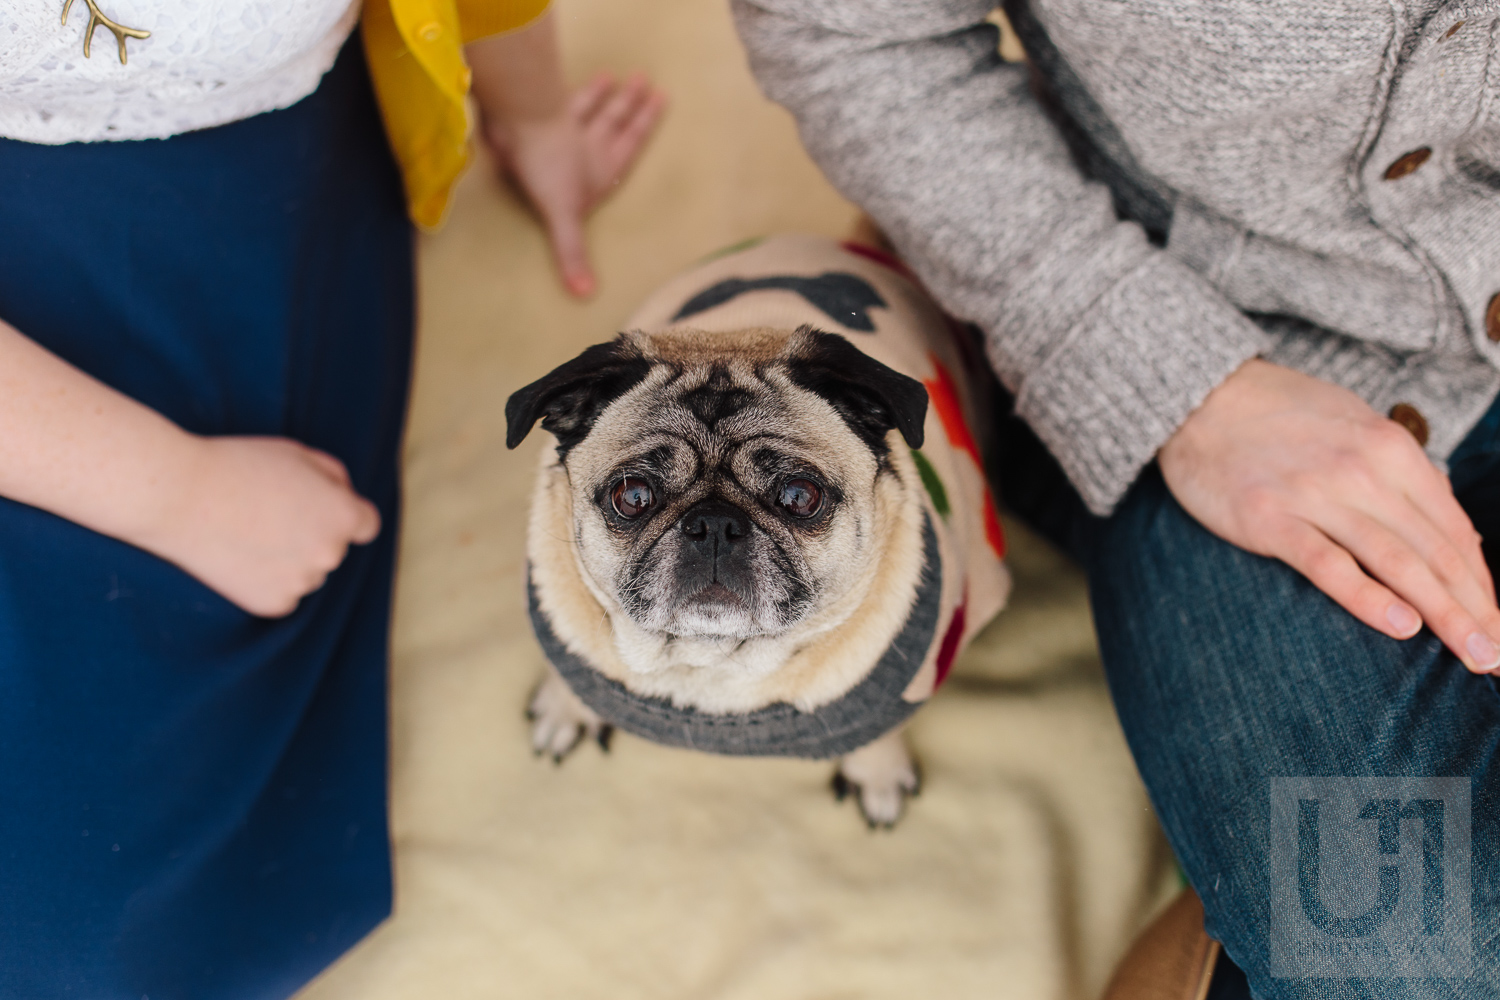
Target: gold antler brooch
x,y
96,18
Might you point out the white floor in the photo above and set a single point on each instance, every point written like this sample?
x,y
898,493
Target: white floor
x,y
1022,871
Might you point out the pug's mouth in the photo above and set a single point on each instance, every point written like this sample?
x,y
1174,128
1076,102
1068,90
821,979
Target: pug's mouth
x,y
716,596
714,611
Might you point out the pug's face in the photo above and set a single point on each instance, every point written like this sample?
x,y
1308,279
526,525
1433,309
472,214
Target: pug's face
x,y
723,485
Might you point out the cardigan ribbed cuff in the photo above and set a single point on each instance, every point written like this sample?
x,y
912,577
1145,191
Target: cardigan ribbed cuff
x,y
1138,361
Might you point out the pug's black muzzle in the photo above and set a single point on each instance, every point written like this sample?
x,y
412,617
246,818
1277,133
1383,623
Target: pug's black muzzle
x,y
715,563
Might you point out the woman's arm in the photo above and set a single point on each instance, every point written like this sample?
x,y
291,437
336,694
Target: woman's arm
x,y
260,520
566,151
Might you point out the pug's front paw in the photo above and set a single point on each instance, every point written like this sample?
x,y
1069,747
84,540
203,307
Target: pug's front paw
x,y
881,775
559,721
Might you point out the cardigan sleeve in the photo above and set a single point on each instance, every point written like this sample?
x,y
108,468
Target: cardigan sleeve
x,y
1106,342
415,54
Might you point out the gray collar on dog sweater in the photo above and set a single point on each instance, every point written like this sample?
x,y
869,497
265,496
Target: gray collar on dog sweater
x,y
870,709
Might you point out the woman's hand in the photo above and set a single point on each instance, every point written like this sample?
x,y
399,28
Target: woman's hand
x,y
1288,466
566,152
568,163
261,520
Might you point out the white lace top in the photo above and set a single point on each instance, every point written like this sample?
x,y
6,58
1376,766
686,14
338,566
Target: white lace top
x,y
206,63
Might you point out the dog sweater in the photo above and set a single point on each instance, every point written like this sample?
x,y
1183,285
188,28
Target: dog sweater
x,y
869,298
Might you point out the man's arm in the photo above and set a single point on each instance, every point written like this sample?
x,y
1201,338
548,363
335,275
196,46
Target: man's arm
x,y
1106,342
1115,352
261,520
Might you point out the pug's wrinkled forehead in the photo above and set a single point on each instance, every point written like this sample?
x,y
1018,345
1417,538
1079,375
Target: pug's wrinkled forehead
x,y
708,387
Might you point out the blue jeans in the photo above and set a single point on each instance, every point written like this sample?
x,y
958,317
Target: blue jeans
x,y
1229,670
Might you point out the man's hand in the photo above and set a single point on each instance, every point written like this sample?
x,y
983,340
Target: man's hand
x,y
1288,466
566,152
263,521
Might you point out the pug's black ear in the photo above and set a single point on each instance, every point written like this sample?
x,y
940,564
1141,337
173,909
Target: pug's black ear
x,y
871,397
570,398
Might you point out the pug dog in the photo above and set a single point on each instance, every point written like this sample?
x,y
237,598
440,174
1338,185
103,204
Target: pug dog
x,y
764,527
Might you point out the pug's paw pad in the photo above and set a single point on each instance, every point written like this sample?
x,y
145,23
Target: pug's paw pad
x,y
881,803
560,721
880,776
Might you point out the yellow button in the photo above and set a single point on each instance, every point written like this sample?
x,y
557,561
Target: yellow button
x,y
465,77
430,32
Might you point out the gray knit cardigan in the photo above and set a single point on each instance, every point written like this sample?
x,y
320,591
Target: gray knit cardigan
x,y
1193,183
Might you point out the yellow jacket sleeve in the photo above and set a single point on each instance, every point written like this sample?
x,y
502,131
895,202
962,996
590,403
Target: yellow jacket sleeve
x,y
415,52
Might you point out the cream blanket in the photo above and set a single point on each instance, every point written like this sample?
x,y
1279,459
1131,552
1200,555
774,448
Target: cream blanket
x,y
1022,871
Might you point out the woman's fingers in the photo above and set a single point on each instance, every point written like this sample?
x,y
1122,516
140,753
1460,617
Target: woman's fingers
x,y
622,101
570,250
619,129
631,136
365,519
330,466
587,100
567,162
366,522
1426,582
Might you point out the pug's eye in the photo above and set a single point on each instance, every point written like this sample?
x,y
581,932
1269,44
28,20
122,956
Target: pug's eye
x,y
800,497
632,497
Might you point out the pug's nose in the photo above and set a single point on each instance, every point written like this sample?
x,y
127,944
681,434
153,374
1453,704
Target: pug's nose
x,y
714,525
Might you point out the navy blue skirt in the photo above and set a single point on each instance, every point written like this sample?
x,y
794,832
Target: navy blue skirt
x,y
192,799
